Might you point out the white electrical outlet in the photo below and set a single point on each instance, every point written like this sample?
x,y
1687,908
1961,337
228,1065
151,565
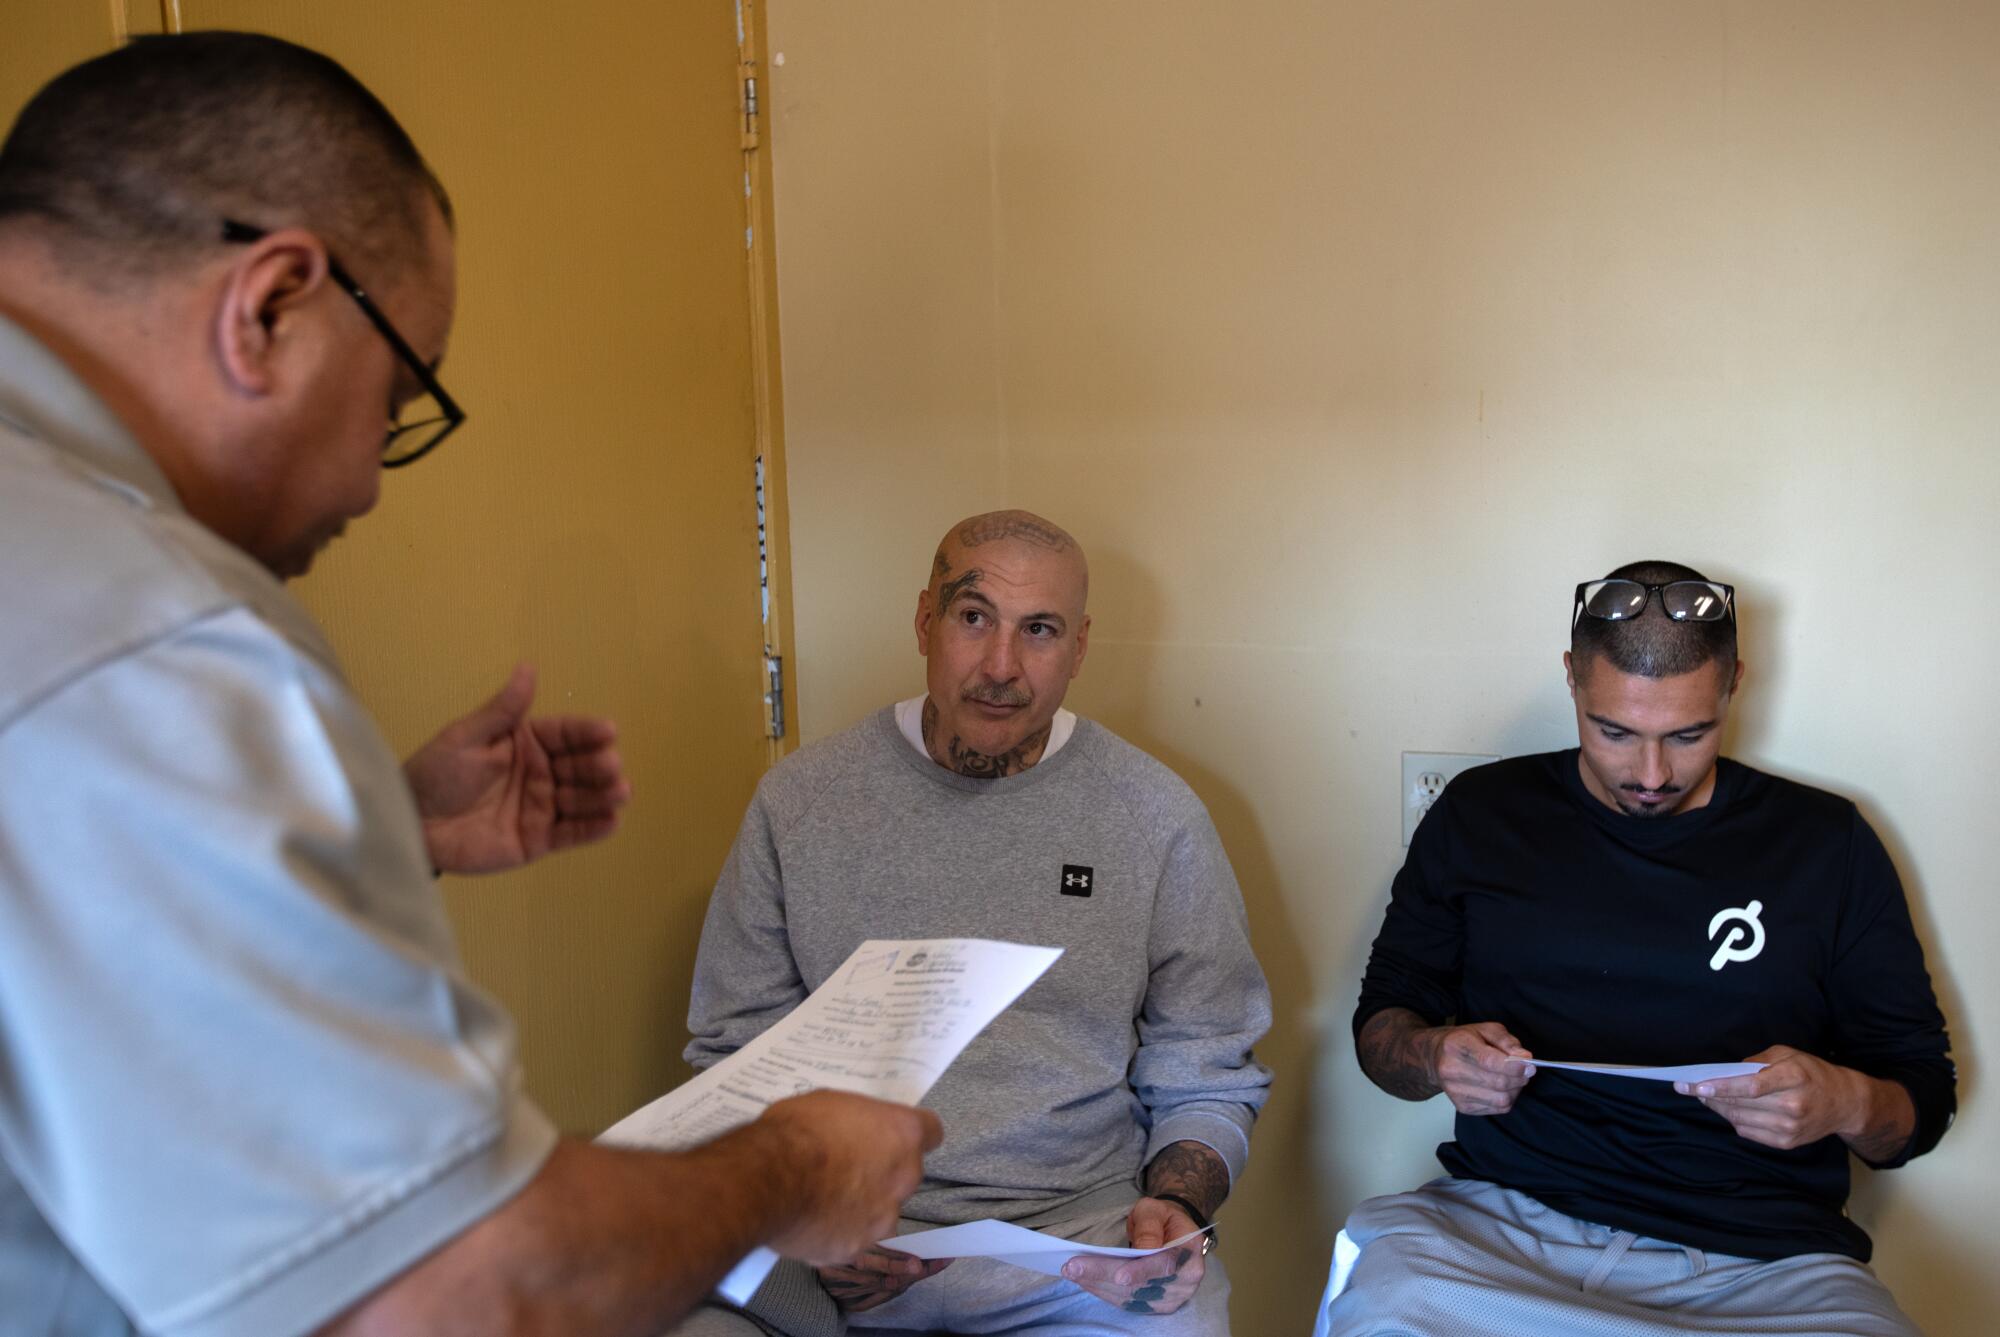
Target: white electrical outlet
x,y
1425,774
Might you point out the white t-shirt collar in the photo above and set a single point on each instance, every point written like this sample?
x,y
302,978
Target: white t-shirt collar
x,y
910,721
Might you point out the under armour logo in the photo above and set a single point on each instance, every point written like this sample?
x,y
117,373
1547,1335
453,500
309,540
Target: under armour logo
x,y
1076,880
1729,951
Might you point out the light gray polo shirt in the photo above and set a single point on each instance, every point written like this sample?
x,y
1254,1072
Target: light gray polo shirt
x,y
243,1079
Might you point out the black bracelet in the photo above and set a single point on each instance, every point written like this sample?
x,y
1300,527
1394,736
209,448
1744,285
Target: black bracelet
x,y
1209,1240
1193,1213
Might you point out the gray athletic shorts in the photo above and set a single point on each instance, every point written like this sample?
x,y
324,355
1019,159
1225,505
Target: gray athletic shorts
x,y
1465,1258
982,1296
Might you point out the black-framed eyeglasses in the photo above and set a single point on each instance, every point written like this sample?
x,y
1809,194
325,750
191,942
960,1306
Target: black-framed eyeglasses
x,y
406,441
1681,600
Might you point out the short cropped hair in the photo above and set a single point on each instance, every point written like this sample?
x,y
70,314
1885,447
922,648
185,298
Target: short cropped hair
x,y
1653,645
129,162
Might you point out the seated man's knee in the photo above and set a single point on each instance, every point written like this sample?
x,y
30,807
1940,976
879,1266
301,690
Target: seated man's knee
x,y
717,1321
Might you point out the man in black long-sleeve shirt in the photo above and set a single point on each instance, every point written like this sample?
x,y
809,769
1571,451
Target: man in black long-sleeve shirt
x,y
1641,900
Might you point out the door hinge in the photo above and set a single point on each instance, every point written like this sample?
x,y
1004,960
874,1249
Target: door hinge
x,y
774,697
746,76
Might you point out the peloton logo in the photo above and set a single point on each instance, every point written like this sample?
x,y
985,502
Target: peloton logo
x,y
1731,948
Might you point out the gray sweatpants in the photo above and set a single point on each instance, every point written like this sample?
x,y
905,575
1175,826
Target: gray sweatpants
x,y
981,1296
1460,1257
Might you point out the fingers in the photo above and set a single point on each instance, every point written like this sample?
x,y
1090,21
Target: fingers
x,y
1473,1068
505,709
1101,1274
1114,1272
1499,1037
930,1129
574,734
1795,1101
1153,1222
855,1161
1158,1283
1776,1054
1784,1075
1139,1272
1752,1087
590,789
876,1276
876,1262
1766,1127
590,777
599,768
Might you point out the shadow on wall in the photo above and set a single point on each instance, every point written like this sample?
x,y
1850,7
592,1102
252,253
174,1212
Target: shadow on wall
x,y
1876,1197
1269,1251
1948,1266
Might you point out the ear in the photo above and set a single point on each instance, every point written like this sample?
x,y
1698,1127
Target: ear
x,y
925,611
1082,646
273,277
1569,674
1736,682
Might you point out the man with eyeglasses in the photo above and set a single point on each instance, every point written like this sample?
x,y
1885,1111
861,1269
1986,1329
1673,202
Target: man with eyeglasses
x,y
245,1085
1641,900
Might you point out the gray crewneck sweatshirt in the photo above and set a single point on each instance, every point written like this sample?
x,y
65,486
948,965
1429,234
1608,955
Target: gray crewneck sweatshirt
x,y
1139,1036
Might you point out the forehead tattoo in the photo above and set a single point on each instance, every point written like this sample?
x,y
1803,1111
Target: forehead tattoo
x,y
993,527
1006,525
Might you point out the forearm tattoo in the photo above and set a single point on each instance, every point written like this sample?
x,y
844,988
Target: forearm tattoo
x,y
1192,1171
1888,1133
954,756
1392,1054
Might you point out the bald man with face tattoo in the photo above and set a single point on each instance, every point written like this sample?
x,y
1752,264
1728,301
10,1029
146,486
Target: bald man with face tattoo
x,y
1113,1103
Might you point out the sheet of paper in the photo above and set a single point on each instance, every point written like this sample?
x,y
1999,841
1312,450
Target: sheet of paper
x,y
1014,1244
1685,1072
887,1024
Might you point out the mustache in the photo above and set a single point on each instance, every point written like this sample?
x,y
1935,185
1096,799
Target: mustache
x,y
1641,789
998,696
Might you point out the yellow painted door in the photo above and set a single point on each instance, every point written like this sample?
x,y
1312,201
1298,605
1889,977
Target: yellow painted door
x,y
597,514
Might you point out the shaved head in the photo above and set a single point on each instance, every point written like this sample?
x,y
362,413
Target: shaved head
x,y
953,567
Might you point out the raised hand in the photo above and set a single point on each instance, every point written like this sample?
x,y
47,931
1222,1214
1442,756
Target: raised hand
x,y
497,789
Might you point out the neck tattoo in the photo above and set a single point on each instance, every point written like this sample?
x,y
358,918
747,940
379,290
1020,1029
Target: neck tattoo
x,y
954,756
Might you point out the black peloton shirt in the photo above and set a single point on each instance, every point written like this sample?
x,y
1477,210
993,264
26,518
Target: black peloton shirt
x,y
1586,932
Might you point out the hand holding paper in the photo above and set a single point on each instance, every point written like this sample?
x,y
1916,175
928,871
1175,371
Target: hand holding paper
x,y
1792,1098
876,1276
1020,1246
1480,1067
867,1157
886,1024
1158,1283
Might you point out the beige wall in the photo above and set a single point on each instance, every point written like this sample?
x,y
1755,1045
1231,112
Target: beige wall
x,y
596,515
1348,337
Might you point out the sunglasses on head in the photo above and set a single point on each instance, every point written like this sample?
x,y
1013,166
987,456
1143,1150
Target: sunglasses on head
x,y
1681,600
